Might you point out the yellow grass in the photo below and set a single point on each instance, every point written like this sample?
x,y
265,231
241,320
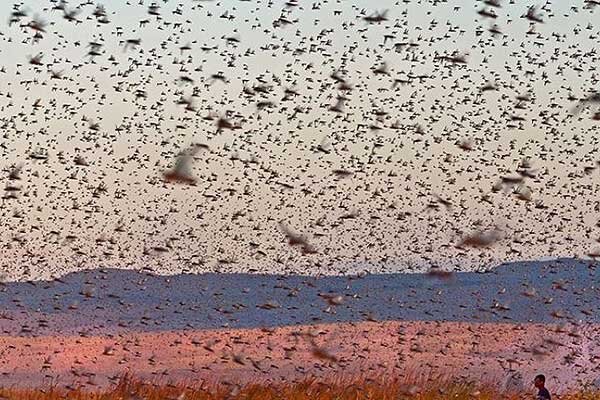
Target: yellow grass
x,y
129,388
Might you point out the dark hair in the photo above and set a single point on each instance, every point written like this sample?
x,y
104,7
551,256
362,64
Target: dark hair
x,y
541,377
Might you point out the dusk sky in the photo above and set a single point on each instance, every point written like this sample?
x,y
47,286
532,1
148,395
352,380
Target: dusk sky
x,y
461,139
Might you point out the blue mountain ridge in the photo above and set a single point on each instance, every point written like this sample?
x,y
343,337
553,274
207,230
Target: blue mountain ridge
x,y
114,300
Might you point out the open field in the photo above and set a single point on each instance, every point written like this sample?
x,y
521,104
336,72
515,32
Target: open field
x,y
466,351
308,389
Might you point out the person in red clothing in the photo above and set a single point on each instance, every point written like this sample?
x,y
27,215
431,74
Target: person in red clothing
x,y
540,384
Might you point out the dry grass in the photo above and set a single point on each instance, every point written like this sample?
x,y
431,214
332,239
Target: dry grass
x,y
129,388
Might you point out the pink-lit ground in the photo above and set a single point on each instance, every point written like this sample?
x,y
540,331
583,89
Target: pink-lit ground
x,y
474,351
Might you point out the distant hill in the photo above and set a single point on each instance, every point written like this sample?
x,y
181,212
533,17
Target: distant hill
x,y
108,301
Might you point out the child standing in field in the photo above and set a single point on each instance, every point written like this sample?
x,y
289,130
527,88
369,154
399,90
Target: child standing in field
x,y
540,384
